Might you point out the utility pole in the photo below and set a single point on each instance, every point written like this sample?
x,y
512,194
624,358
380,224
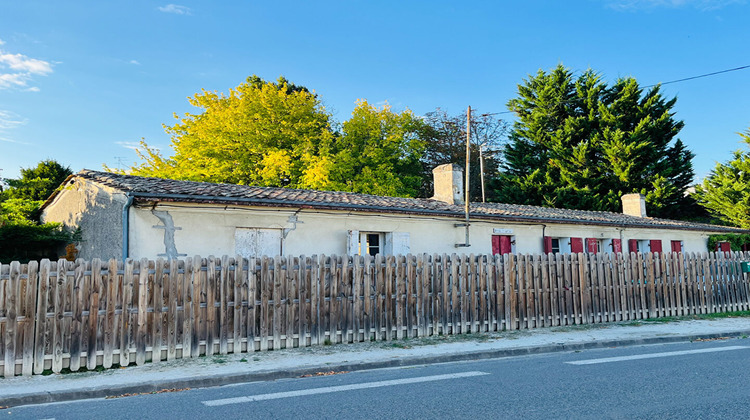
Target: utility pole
x,y
465,224
481,169
468,151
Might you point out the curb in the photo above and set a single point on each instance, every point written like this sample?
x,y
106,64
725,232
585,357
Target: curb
x,y
216,380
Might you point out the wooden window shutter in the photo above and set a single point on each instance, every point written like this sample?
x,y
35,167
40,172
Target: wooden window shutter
x,y
547,244
399,243
616,246
655,245
591,245
495,244
576,245
676,246
352,242
632,245
505,245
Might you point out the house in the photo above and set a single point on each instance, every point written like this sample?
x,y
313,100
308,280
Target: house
x,y
124,216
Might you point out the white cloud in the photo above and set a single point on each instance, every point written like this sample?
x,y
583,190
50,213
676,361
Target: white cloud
x,y
7,140
8,80
16,70
22,63
33,89
134,62
10,120
133,145
175,8
2,42
702,5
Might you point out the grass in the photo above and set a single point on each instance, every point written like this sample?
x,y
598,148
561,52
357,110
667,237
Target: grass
x,y
220,359
664,320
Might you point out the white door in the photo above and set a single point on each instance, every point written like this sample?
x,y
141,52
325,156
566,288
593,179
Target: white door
x,y
256,242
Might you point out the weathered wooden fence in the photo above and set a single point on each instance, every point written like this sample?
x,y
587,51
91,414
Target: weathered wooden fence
x,y
56,315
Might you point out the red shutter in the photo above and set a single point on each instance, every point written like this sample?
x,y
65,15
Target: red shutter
x,y
633,245
591,245
676,246
505,246
725,247
655,245
616,246
495,244
576,245
547,244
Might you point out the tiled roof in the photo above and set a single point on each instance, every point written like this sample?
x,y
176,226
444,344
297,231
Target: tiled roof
x,y
150,189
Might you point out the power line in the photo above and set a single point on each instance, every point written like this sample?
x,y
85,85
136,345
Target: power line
x,y
700,76
646,86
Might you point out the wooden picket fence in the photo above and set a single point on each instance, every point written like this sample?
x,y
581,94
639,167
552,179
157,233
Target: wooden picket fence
x,y
63,314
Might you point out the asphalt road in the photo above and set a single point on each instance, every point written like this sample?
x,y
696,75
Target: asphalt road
x,y
706,380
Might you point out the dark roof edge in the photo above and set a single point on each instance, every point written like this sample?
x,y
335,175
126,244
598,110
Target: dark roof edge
x,y
382,209
55,193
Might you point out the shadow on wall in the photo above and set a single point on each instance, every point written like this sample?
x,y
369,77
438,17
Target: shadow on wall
x,y
98,213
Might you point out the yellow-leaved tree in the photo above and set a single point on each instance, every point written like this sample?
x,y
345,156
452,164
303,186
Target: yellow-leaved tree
x,y
261,133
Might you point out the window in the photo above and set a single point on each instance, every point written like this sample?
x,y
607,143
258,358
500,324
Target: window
x,y
502,244
373,243
644,246
593,245
555,245
370,243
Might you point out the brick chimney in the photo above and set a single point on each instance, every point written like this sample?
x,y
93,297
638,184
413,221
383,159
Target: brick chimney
x,y
448,183
634,205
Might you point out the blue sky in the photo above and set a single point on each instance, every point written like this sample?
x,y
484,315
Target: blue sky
x,y
83,81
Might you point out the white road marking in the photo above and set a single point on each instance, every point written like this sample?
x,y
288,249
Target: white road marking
x,y
326,390
654,355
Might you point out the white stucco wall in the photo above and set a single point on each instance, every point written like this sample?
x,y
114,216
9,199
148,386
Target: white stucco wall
x,y
208,229
97,210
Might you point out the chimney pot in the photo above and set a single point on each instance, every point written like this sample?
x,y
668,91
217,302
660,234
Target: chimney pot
x,y
448,183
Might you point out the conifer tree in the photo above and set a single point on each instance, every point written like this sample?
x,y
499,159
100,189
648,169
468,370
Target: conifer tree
x,y
581,144
725,193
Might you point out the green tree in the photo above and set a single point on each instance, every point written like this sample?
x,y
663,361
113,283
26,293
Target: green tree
x,y
22,237
378,152
579,143
725,193
261,133
37,183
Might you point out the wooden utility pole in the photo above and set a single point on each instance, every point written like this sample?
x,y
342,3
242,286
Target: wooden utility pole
x,y
481,169
468,155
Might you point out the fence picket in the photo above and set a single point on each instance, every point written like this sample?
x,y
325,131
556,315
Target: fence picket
x,y
13,290
29,306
